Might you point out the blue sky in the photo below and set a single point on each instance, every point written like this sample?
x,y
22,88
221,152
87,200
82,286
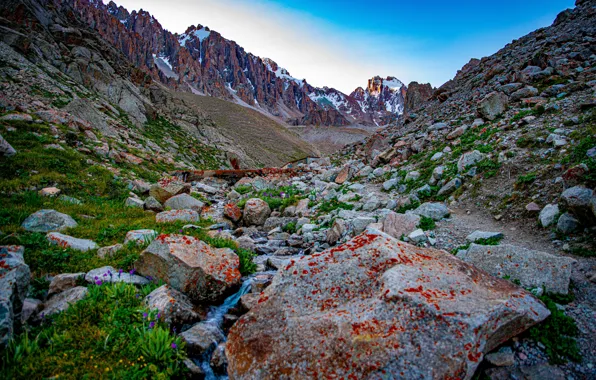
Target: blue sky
x,y
343,43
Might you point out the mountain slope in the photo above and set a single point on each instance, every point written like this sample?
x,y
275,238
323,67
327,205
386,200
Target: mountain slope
x,y
202,61
53,64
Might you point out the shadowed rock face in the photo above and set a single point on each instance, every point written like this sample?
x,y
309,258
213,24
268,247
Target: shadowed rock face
x,y
377,307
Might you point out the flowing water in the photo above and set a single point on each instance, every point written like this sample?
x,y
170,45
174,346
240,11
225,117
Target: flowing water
x,y
215,317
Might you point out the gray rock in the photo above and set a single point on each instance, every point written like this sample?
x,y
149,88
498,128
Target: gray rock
x,y
389,184
62,301
177,215
134,202
201,338
308,228
6,149
203,273
360,223
478,235
402,308
433,210
412,176
371,204
66,241
205,188
153,204
109,274
567,223
167,188
502,358
450,187
184,202
526,92
14,283
438,172
31,307
218,360
437,156
109,250
469,159
548,215
398,225
335,232
493,105
175,307
578,200
531,268
48,221
140,237
275,222
417,236
64,282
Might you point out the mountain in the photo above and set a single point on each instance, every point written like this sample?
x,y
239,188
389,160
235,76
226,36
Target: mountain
x,y
104,79
202,61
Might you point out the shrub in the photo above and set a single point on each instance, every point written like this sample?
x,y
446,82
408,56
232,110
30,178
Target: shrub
x,y
427,223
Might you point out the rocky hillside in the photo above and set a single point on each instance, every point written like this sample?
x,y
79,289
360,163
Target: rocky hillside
x,y
202,61
459,243
57,72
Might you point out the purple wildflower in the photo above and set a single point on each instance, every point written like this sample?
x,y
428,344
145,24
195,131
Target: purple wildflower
x,y
174,346
132,271
151,325
144,315
98,282
158,315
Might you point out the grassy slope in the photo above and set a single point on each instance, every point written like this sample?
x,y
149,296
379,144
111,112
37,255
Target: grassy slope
x,y
263,139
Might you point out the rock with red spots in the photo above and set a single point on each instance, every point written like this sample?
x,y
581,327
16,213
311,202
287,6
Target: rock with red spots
x,y
177,215
66,241
376,307
166,188
203,273
14,282
174,306
256,212
232,212
531,268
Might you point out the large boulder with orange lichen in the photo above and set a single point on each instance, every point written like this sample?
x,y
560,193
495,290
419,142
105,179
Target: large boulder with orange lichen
x,y
376,307
203,273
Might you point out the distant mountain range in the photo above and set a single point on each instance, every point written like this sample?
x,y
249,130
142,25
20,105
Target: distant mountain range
x,y
203,62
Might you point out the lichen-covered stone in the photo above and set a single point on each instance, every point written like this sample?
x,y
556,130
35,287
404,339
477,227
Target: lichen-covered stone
x,y
376,307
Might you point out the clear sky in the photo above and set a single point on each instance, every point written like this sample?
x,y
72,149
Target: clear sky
x,y
343,43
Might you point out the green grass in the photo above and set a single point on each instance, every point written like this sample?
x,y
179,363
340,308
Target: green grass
x,y
557,333
583,251
108,334
526,179
327,206
243,189
490,241
460,248
427,223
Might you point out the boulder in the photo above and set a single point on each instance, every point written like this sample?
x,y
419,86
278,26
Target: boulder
x,y
343,175
107,274
153,204
166,188
433,210
398,225
360,223
184,202
548,215
450,187
531,268
189,265
469,159
66,241
336,231
49,191
578,200
201,338
176,216
48,221
232,212
109,250
14,283
376,307
62,301
140,237
567,223
302,208
493,105
134,203
6,149
175,307
64,282
256,212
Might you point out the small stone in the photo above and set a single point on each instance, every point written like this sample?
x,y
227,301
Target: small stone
x,y
134,202
109,250
49,192
140,237
64,282
502,358
177,215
